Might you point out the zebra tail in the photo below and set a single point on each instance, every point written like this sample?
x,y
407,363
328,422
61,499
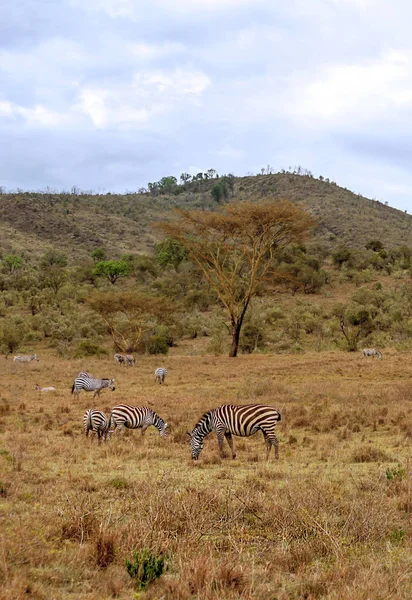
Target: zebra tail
x,y
72,388
89,422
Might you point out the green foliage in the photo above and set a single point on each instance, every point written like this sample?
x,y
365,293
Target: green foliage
x,y
12,331
11,263
146,567
89,348
217,192
395,473
53,258
98,255
170,253
157,345
112,269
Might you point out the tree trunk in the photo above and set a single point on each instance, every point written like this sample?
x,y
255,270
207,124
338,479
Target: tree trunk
x,y
235,339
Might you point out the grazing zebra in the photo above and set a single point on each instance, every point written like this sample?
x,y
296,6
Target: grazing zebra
x,y
38,388
371,352
160,375
237,420
134,417
126,359
96,420
25,358
85,381
119,359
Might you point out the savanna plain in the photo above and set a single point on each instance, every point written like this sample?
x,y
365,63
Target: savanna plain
x,y
330,519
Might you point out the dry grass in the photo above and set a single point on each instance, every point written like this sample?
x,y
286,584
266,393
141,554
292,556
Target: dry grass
x,y
331,519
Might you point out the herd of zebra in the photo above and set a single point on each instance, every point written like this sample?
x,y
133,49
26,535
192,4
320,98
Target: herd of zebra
x,y
225,420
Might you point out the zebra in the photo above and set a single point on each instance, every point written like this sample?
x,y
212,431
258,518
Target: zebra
x,y
229,419
119,359
371,352
134,417
86,381
126,359
25,358
96,420
38,388
160,375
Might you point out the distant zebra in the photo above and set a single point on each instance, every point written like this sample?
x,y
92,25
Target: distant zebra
x,y
25,358
160,375
86,381
38,388
126,359
237,420
119,359
371,352
96,420
134,417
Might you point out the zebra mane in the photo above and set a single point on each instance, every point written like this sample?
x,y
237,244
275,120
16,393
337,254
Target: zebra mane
x,y
205,419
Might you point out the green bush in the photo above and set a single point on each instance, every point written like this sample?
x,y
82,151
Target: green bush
x,y
157,344
88,348
145,567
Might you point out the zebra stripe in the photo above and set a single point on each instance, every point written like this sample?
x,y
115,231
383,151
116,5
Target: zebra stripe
x,y
96,421
134,417
371,352
25,358
160,375
85,381
237,420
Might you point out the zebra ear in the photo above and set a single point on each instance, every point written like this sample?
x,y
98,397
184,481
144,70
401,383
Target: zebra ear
x,y
165,425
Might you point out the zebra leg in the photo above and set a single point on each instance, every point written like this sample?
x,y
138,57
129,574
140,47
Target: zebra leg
x,y
229,440
145,426
220,435
272,440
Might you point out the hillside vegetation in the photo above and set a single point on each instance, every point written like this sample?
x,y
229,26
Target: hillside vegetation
x,y
122,223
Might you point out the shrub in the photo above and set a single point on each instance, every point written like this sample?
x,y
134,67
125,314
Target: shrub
x,y
146,567
88,348
157,344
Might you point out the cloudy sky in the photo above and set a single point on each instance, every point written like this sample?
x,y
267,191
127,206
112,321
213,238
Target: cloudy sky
x,y
107,95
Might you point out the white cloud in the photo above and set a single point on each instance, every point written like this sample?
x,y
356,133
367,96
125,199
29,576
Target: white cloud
x,y
356,91
147,95
37,115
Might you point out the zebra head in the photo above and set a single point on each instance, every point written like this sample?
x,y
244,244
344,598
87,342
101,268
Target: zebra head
x,y
110,385
196,442
35,357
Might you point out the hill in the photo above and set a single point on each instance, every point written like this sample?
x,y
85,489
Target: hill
x,y
76,223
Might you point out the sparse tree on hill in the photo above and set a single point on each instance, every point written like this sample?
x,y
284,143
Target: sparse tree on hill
x,y
112,269
236,249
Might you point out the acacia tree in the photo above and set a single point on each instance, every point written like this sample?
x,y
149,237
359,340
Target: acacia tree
x,y
129,315
236,248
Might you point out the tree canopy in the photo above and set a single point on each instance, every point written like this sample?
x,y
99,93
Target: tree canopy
x,y
236,248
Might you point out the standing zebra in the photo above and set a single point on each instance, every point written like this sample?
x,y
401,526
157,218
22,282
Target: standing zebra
x,y
25,358
237,420
371,352
160,375
85,381
134,417
96,420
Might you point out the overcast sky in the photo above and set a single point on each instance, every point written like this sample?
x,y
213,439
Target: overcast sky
x,y
108,95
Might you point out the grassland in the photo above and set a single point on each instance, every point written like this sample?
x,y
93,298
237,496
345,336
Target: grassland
x,y
331,519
